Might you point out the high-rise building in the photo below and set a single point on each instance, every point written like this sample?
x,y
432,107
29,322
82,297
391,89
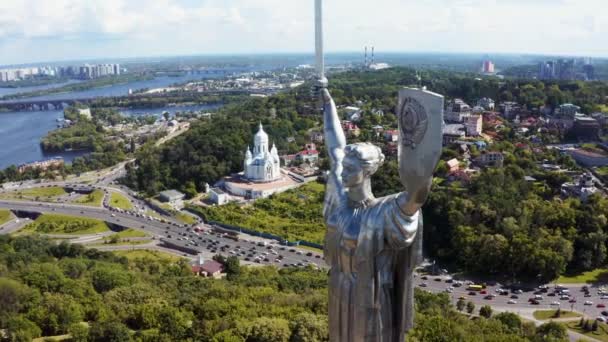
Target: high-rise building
x,y
589,71
487,67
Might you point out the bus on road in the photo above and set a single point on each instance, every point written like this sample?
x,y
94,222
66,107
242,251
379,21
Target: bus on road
x,y
474,287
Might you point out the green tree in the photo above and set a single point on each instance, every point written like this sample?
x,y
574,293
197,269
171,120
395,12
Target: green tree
x,y
510,320
485,311
587,326
78,332
73,268
232,267
14,297
308,327
105,278
594,326
460,304
109,332
174,323
470,307
558,313
266,329
20,329
56,313
551,331
227,336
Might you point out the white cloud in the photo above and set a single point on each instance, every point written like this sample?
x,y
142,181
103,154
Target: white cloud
x,y
88,28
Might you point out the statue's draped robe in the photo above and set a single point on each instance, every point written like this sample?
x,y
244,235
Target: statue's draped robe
x,y
372,252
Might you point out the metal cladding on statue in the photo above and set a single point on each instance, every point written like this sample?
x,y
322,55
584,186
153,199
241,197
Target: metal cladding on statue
x,y
420,114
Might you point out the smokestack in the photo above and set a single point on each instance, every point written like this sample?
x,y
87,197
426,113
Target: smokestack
x,y
365,62
373,58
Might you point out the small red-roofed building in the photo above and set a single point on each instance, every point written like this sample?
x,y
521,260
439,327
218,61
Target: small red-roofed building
x,y
350,128
207,268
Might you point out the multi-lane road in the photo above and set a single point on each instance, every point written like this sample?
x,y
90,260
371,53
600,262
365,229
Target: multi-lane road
x,y
181,237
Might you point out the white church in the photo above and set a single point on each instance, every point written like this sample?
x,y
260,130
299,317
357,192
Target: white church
x,y
262,165
262,175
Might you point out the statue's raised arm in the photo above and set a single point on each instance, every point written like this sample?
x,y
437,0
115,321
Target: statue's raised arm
x,y
335,142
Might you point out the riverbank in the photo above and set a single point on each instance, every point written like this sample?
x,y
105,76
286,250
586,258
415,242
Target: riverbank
x,y
38,82
86,85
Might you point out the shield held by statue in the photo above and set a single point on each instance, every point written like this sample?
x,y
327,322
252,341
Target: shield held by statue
x,y
420,114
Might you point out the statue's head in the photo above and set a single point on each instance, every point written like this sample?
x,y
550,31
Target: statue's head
x,y
361,161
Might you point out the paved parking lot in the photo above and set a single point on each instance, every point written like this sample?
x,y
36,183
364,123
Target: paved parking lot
x,y
591,303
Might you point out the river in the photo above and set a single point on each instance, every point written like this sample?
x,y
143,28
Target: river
x,y
123,89
20,132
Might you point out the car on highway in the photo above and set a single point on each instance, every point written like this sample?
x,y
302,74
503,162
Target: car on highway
x,y
555,303
488,297
514,296
604,297
601,319
587,295
601,305
605,313
588,302
534,302
472,293
423,285
512,301
572,300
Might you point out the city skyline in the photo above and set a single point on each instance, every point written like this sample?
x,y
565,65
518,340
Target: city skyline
x,y
35,31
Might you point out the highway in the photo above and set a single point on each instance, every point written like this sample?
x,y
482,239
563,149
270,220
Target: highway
x,y
182,237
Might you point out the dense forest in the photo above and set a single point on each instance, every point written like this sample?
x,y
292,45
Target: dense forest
x,y
49,289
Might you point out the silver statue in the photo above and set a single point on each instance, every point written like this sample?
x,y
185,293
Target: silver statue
x,y
373,244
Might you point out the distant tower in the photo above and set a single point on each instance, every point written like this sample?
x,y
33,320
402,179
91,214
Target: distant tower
x,y
365,62
373,58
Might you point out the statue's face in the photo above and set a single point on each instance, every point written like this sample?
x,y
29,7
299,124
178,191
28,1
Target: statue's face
x,y
353,173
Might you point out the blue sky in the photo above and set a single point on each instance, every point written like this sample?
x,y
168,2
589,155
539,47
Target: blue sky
x,y
48,30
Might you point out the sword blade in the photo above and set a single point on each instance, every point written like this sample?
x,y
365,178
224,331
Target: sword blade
x,y
320,62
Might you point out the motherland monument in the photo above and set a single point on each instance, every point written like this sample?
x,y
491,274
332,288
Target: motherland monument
x,y
372,245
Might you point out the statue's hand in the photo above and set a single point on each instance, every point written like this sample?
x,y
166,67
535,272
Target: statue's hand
x,y
417,192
